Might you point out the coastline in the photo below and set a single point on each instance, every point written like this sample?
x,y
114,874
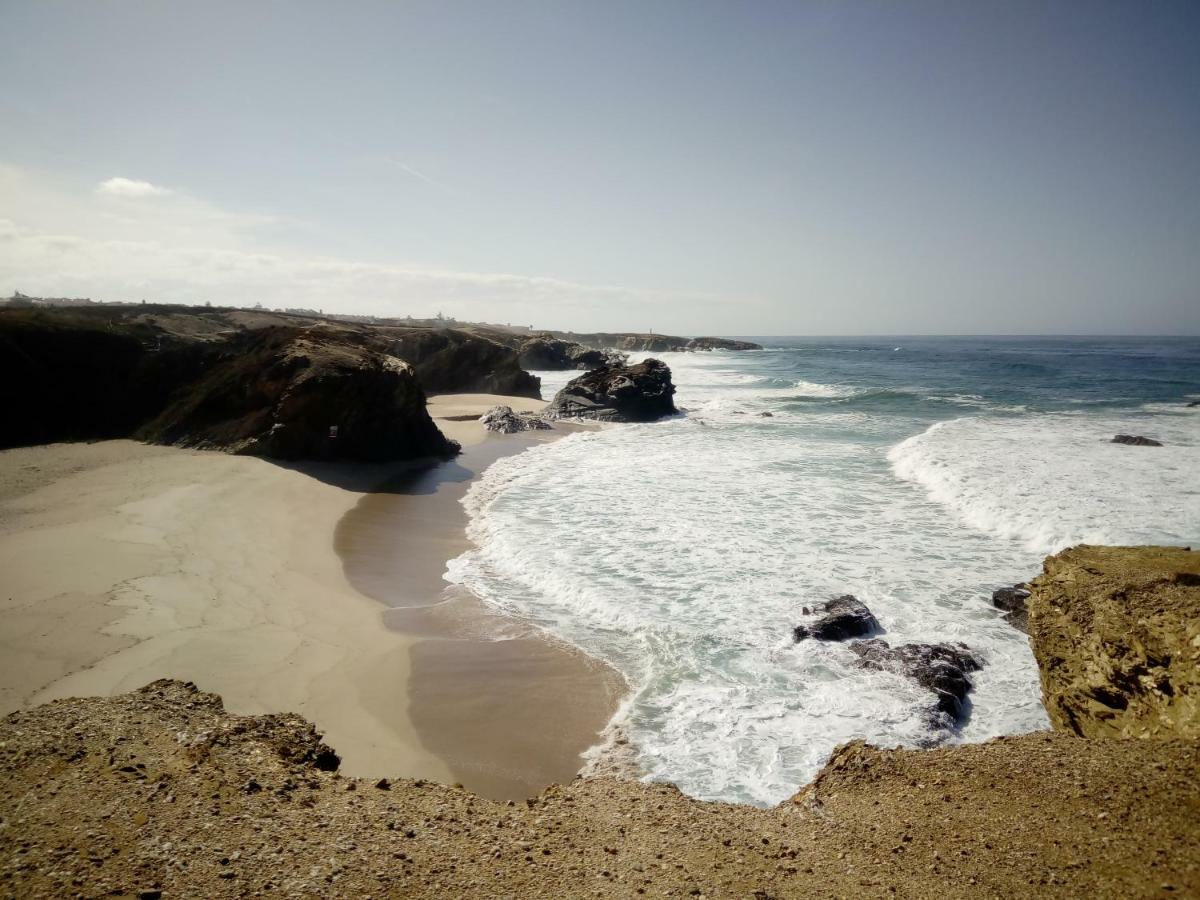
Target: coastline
x,y
124,562
509,709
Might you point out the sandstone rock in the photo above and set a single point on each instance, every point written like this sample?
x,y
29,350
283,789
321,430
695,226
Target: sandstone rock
x,y
505,421
640,393
1116,633
1135,440
942,668
839,619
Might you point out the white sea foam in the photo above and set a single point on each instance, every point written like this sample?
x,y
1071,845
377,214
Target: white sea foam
x,y
682,552
1054,480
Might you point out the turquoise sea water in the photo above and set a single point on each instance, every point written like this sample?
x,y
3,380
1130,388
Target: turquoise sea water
x,y
918,474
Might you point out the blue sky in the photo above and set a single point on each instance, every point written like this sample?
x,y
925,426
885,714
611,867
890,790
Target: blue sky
x,y
736,168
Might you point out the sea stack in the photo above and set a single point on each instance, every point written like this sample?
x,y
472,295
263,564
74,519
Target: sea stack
x,y
618,393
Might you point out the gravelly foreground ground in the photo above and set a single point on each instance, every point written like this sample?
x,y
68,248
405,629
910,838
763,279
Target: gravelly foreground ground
x,y
162,793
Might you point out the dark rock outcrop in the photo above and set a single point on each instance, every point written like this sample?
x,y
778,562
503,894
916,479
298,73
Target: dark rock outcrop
x,y
1014,602
1135,440
314,393
651,343
640,393
453,361
715,343
505,421
279,387
941,668
839,619
75,377
1116,634
552,354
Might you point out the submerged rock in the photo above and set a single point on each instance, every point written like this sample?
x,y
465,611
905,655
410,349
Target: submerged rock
x,y
1013,601
505,421
617,393
1135,440
941,668
841,618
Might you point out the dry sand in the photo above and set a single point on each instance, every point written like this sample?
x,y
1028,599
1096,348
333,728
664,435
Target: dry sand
x,y
121,563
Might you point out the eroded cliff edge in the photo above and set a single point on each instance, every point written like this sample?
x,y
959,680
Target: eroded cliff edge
x,y
268,384
1116,632
162,793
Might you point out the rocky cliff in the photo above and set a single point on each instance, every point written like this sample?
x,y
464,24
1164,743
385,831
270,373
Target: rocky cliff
x,y
453,361
301,393
246,381
639,393
1116,632
551,354
650,343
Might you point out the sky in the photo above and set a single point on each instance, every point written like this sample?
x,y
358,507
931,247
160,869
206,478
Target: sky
x,y
685,167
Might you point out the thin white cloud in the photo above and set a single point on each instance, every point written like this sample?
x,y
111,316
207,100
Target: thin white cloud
x,y
55,241
420,176
129,187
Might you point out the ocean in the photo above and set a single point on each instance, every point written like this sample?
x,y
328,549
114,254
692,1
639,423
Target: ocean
x,y
918,474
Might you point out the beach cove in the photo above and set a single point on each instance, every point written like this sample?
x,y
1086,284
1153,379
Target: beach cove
x,y
124,562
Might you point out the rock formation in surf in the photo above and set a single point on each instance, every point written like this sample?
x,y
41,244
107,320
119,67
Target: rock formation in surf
x,y
1135,440
841,618
639,393
1014,603
941,668
650,343
715,343
502,419
1116,633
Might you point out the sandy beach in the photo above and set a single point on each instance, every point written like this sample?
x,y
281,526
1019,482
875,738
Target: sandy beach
x,y
121,563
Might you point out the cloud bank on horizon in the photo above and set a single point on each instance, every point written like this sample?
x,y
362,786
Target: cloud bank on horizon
x,y
689,168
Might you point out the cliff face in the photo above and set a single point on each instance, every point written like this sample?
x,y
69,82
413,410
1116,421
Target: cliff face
x,y
66,378
455,361
551,354
640,393
651,343
247,382
291,393
1116,632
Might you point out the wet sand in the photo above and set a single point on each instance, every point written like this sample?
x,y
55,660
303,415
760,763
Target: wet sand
x,y
506,708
